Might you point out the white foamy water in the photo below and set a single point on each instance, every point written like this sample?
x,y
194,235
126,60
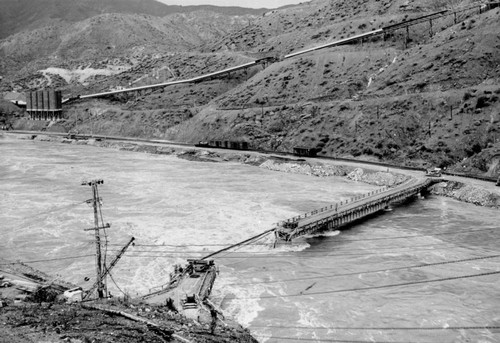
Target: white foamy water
x,y
312,289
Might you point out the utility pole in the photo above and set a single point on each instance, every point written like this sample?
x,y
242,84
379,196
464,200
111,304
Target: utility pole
x,y
96,204
108,269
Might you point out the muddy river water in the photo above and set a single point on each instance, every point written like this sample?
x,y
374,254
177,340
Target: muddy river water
x,y
382,280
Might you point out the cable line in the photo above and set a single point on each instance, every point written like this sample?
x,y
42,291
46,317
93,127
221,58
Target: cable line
x,y
378,328
288,339
240,243
271,256
302,253
114,282
292,244
57,209
363,272
65,207
47,260
359,289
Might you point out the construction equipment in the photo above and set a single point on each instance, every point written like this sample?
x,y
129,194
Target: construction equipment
x,y
434,172
108,269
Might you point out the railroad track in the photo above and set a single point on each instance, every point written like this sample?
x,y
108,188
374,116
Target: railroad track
x,y
261,151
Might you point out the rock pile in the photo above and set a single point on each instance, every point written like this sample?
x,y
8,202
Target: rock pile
x,y
467,193
305,168
378,178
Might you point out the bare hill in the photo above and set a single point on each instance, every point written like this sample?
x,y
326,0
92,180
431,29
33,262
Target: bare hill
x,y
427,98
26,15
110,36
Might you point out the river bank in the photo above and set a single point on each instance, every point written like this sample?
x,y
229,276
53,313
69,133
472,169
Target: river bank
x,y
110,321
180,209
32,309
464,192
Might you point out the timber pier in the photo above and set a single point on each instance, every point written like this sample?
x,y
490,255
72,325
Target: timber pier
x,y
346,212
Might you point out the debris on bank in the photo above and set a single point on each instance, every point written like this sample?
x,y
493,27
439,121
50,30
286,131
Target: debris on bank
x,y
377,178
305,168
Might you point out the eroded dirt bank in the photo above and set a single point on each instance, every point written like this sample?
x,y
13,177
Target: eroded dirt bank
x,y
32,309
80,323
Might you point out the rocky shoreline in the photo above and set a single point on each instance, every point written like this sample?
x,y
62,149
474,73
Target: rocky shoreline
x,y
37,319
456,190
108,321
467,193
32,309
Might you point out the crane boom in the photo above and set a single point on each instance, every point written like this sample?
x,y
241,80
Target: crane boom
x,y
108,269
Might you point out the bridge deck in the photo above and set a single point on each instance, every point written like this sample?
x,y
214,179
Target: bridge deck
x,y
345,212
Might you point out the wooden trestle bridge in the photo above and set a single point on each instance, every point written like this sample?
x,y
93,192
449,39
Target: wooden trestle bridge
x,y
337,215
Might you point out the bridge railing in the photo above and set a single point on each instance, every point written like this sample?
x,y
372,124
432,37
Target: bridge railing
x,y
292,223
402,193
336,206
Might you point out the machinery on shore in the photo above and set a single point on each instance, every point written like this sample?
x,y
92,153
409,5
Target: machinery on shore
x,y
188,289
434,172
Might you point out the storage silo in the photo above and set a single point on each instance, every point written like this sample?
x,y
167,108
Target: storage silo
x,y
46,105
34,105
39,100
52,100
58,95
28,101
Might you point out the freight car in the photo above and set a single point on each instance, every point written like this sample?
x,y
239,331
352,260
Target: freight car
x,y
305,152
235,145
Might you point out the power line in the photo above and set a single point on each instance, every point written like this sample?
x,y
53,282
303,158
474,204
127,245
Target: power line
x,y
114,282
359,289
288,339
65,207
292,244
393,250
364,272
303,252
378,328
47,260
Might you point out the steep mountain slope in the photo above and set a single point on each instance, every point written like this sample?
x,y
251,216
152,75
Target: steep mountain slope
x,y
109,36
436,101
426,96
18,15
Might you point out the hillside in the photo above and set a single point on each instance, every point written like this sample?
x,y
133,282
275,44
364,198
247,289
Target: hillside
x,y
23,15
123,38
427,99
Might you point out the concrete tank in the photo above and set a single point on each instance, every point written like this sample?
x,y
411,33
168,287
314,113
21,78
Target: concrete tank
x,y
39,95
34,101
46,105
58,104
29,103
